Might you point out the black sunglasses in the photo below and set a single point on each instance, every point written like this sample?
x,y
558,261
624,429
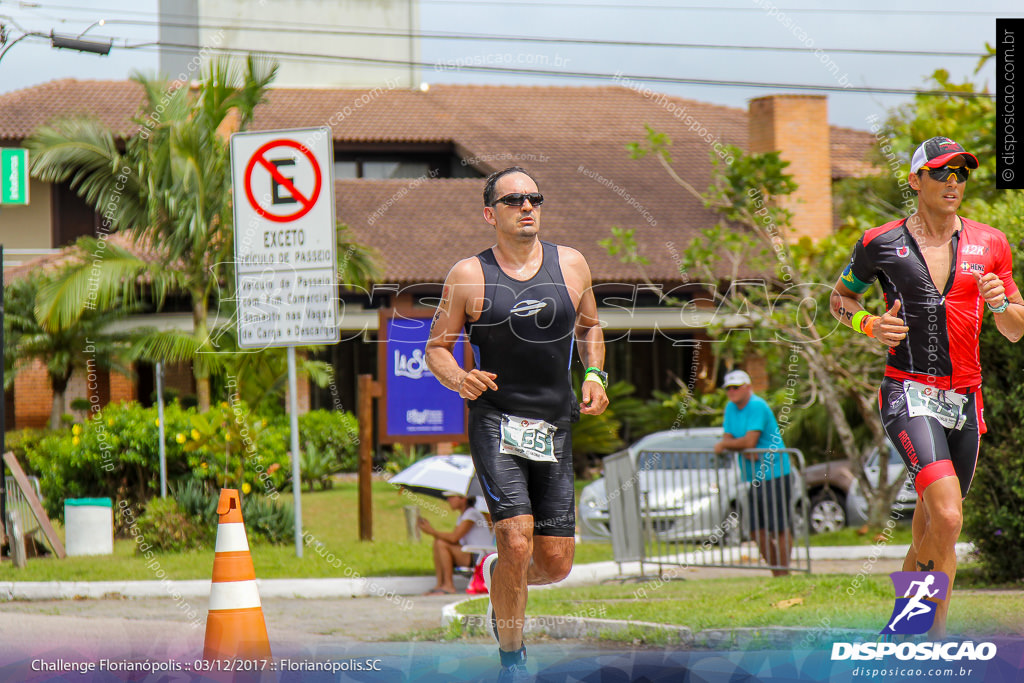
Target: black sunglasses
x,y
942,173
517,199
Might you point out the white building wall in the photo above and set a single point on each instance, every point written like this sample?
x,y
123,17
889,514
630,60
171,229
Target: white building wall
x,y
301,27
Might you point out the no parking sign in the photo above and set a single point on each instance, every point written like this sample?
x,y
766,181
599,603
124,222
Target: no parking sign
x,y
285,237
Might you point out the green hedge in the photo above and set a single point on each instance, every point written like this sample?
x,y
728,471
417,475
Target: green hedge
x,y
994,507
115,452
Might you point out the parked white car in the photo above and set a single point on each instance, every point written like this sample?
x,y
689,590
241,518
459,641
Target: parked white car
x,y
689,495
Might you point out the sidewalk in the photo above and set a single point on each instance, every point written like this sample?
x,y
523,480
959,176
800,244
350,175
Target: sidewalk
x,y
824,560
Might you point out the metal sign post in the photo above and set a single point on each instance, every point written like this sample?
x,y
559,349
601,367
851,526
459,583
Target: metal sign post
x,y
285,252
3,407
160,419
293,414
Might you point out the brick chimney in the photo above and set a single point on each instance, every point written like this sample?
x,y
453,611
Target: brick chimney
x,y
797,127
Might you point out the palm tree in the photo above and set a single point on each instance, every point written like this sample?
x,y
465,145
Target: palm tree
x,y
83,344
169,188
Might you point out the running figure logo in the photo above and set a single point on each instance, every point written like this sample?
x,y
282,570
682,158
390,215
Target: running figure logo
x,y
914,611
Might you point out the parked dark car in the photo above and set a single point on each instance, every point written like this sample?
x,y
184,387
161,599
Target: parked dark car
x,y
835,496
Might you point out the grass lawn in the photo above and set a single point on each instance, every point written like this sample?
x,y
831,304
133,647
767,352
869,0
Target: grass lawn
x,y
330,518
901,535
821,601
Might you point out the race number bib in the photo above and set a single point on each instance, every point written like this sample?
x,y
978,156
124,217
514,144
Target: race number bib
x,y
530,439
945,406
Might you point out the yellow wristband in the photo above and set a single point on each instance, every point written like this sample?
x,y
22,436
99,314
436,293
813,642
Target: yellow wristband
x,y
594,377
857,323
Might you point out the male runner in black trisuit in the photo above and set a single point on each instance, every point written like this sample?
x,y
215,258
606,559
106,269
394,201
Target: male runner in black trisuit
x,y
523,302
935,270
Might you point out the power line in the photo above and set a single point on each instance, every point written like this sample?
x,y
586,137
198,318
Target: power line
x,y
580,74
289,27
762,10
888,11
433,35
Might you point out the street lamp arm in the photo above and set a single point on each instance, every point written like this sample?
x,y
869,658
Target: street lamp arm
x,y
73,43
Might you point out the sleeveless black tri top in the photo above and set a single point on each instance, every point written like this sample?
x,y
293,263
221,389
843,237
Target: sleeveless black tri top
x,y
525,335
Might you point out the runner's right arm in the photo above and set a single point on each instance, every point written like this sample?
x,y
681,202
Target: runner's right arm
x,y
463,285
845,304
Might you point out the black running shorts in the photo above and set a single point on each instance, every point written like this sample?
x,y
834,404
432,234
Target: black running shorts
x,y
515,486
930,450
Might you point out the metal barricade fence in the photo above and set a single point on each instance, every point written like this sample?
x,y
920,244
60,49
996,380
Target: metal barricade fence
x,y
689,507
16,501
623,491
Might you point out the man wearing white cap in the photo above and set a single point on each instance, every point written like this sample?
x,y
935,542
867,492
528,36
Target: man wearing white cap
x,y
750,424
936,270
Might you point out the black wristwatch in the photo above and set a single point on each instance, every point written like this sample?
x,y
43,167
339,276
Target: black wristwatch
x,y
602,375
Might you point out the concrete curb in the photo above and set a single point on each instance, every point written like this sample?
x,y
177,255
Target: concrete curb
x,y
387,587
574,628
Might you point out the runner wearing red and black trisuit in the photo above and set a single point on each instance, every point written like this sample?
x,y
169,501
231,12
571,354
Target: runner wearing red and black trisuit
x,y
941,348
938,273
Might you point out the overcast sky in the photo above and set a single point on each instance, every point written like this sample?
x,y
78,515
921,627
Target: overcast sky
x,y
790,29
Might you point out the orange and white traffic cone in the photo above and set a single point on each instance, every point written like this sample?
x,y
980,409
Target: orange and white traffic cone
x,y
235,628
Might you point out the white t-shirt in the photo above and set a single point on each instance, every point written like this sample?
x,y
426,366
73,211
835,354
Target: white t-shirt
x,y
478,534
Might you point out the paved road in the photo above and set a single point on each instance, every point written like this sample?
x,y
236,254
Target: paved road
x,y
46,633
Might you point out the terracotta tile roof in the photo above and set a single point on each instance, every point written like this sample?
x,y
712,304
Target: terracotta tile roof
x,y
112,102
574,140
850,153
52,263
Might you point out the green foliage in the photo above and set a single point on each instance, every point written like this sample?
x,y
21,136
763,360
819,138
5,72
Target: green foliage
x,y
318,465
267,519
196,499
665,410
165,527
402,456
84,344
21,441
187,519
232,447
115,453
623,244
873,200
994,508
333,433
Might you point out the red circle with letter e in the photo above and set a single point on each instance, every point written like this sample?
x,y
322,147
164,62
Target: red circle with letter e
x,y
306,201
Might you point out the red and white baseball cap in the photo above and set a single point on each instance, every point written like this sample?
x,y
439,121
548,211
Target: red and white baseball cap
x,y
936,151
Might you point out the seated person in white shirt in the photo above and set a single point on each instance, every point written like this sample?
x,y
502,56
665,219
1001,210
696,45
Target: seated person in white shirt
x,y
470,529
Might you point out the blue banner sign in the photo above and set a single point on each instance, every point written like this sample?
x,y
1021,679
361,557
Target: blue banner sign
x,y
417,404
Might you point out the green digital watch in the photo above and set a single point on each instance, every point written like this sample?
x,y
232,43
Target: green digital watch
x,y
599,373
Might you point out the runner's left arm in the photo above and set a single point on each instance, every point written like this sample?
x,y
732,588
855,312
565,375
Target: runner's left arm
x,y
589,338
993,286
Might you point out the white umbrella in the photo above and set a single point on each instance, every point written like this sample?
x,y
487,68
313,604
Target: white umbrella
x,y
439,473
